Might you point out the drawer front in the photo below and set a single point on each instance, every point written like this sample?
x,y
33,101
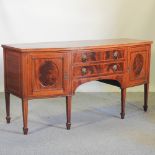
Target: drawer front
x,y
87,56
114,68
114,53
86,71
98,69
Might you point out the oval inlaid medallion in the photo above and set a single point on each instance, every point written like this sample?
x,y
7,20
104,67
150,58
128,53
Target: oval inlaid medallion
x,y
138,64
48,74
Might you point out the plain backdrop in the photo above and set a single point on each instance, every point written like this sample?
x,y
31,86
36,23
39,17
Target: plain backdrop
x,y
64,20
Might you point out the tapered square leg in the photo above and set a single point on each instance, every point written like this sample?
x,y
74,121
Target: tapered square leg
x,y
68,111
123,99
146,91
7,101
25,115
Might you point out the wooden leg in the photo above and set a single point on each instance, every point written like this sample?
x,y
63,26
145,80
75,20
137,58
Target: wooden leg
x,y
123,97
25,115
68,111
146,91
7,101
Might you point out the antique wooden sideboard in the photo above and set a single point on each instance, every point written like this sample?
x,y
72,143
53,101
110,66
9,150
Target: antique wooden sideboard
x,y
39,70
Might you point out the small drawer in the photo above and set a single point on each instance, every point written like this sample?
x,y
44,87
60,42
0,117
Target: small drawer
x,y
114,54
85,56
111,68
139,48
85,71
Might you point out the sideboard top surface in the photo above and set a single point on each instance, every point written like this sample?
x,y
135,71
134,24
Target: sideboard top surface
x,y
70,45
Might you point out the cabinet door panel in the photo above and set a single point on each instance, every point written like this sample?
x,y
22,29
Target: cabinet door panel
x,y
47,74
138,59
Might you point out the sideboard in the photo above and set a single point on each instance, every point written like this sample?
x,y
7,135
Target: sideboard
x,y
52,69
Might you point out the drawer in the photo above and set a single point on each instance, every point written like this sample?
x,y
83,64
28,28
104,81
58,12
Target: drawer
x,y
85,71
98,69
84,56
114,53
113,68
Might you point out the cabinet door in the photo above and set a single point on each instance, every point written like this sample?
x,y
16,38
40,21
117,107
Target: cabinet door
x,y
138,65
48,74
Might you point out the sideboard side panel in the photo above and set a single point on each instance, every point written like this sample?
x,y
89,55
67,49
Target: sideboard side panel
x,y
12,69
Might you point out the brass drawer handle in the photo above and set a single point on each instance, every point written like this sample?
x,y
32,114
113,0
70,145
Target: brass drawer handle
x,y
84,58
115,67
115,55
84,70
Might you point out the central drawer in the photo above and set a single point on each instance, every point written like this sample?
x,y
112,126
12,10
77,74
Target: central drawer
x,y
98,69
93,55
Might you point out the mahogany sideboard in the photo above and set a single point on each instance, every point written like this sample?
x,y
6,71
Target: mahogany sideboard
x,y
53,69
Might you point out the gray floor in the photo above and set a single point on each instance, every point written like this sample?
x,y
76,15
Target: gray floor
x,y
96,126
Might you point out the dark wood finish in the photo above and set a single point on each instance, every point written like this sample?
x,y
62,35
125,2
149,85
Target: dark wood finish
x,y
123,97
39,70
68,111
7,99
13,72
25,115
146,91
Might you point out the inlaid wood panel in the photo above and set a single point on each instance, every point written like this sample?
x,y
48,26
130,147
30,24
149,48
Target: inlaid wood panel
x,y
138,59
47,74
